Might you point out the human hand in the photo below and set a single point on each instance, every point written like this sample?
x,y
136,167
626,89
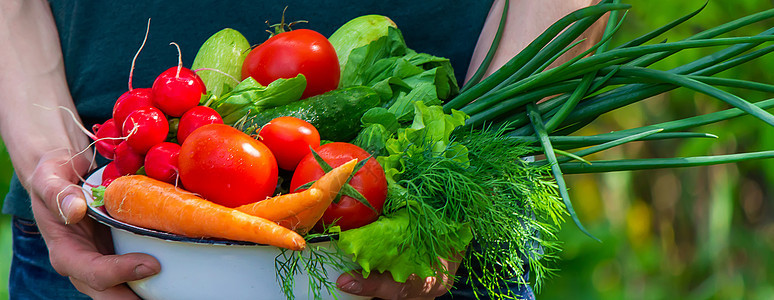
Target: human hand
x,y
79,247
381,285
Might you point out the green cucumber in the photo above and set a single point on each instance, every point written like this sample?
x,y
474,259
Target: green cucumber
x,y
335,114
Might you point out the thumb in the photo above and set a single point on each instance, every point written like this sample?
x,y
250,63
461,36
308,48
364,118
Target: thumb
x,y
73,207
54,180
62,197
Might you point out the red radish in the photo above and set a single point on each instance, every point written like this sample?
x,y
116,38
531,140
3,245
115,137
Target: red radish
x,y
161,162
129,102
194,118
144,128
110,173
127,160
133,98
108,137
177,89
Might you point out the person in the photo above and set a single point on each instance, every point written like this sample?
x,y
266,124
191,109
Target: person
x,y
63,56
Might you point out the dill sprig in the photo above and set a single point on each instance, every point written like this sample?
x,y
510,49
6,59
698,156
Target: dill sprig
x,y
512,207
315,262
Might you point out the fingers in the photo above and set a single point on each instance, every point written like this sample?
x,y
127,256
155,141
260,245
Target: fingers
x,y
74,252
120,292
103,272
55,179
77,256
381,285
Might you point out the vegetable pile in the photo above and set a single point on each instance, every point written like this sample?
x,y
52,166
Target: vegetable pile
x,y
361,138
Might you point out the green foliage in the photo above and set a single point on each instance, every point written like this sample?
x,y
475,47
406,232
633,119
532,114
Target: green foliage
x,y
6,171
694,233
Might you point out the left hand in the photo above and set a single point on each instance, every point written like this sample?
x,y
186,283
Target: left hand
x,y
79,247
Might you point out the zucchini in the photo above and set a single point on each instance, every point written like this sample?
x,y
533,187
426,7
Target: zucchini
x,y
335,114
223,51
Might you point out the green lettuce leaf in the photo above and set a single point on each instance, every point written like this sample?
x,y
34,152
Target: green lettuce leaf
x,y
380,124
390,253
399,74
251,96
431,128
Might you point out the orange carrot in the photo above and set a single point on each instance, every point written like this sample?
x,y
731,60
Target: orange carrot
x,y
330,184
146,202
283,206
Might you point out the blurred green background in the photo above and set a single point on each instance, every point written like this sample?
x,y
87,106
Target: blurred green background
x,y
693,233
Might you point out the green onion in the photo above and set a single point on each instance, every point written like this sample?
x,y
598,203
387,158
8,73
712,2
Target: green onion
x,y
660,163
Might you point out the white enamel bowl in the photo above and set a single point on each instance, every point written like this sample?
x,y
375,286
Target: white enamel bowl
x,y
204,268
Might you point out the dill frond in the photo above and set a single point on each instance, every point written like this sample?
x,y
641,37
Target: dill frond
x,y
513,208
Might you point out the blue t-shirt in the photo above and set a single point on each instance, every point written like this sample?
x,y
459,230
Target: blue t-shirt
x,y
100,38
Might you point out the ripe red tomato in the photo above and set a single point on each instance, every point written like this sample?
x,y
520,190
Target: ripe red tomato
x,y
227,166
300,51
289,139
369,181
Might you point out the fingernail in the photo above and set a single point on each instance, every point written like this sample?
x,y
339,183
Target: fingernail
x,y
352,287
142,271
65,206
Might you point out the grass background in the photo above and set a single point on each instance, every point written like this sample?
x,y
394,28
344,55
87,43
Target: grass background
x,y
694,233
6,170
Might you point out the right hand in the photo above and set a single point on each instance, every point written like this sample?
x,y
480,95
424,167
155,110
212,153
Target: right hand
x,y
79,247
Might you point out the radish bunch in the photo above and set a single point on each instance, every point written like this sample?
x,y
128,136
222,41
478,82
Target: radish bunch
x,y
139,134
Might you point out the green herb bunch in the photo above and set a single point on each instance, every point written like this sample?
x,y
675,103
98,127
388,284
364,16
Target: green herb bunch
x,y
512,207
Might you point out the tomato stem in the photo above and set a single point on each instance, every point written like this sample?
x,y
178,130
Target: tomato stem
x,y
281,26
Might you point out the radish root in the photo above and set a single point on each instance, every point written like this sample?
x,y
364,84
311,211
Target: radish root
x,y
218,71
179,59
75,118
131,71
59,203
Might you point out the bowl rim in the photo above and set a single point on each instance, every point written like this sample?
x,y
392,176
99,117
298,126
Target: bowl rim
x,y
106,219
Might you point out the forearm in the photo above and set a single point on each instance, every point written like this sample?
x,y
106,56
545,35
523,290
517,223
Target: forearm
x,y
33,85
526,20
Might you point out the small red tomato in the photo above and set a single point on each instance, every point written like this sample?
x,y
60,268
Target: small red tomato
x,y
144,128
289,139
227,166
370,181
196,117
177,90
290,53
161,162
